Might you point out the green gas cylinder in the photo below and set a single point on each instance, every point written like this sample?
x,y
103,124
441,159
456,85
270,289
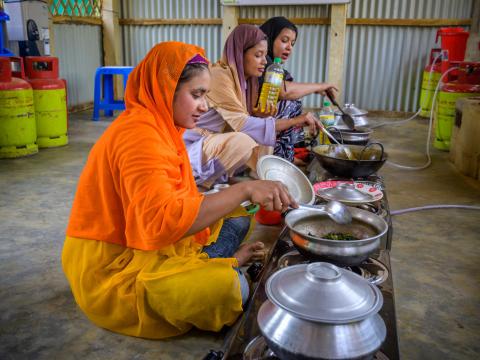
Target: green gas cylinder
x,y
50,100
17,116
431,76
467,85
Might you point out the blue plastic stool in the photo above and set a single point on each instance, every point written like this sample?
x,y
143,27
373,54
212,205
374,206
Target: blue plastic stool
x,y
104,79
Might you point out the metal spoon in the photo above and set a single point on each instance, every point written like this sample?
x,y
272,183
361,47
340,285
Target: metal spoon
x,y
345,149
334,209
347,119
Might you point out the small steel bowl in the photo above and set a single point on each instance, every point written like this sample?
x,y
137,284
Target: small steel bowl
x,y
270,167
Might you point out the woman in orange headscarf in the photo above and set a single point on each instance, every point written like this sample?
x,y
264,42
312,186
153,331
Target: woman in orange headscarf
x,y
136,247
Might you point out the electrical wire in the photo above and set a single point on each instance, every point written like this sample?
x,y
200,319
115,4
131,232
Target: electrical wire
x,y
431,207
430,125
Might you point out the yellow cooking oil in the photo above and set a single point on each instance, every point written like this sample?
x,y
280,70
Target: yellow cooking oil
x,y
271,85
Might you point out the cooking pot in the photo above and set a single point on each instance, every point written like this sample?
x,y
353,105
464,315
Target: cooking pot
x,y
307,229
320,311
367,159
358,136
359,116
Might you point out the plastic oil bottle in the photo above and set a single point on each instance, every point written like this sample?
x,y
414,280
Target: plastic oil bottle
x,y
327,117
271,85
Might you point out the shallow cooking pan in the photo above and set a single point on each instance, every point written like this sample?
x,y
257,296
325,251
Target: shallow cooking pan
x,y
367,159
358,136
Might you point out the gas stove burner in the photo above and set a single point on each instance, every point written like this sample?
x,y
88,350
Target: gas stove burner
x,y
257,349
371,269
373,208
380,356
292,258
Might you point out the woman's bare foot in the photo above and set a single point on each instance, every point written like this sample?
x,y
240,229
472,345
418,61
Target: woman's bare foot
x,y
248,252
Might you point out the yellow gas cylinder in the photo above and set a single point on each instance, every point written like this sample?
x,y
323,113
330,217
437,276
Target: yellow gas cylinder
x,y
431,76
467,85
50,100
17,116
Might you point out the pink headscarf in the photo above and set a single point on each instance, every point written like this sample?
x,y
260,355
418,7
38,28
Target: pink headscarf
x,y
242,38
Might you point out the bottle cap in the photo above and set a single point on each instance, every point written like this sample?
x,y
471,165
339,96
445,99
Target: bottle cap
x,y
277,61
326,103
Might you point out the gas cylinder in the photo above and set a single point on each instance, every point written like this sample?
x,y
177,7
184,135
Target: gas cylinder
x,y
17,116
431,76
466,84
50,100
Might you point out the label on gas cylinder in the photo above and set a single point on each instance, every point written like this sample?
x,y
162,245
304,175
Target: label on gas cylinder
x,y
430,83
447,101
16,98
50,100
16,103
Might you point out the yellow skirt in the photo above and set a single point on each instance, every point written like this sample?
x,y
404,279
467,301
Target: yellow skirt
x,y
152,294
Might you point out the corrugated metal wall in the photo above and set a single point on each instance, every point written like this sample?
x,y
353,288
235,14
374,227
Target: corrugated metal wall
x,y
383,66
139,39
410,9
79,49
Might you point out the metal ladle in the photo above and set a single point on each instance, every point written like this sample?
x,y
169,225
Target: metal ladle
x,y
345,149
334,209
347,118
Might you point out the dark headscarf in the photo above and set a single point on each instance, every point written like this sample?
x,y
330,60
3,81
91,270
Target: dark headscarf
x,y
273,27
242,38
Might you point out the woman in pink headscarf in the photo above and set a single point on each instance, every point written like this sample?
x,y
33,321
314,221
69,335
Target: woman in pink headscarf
x,y
229,135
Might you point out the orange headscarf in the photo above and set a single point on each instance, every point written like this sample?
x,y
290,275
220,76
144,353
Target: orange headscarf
x,y
137,187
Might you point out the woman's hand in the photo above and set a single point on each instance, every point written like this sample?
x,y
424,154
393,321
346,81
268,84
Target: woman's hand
x,y
270,110
271,195
322,88
310,120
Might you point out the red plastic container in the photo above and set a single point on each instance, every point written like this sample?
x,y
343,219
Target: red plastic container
x,y
455,41
266,217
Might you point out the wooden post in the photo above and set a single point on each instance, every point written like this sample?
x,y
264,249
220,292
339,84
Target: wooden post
x,y
336,54
472,52
112,39
230,21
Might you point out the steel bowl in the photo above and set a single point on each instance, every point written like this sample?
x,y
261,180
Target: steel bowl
x,y
307,228
270,167
367,160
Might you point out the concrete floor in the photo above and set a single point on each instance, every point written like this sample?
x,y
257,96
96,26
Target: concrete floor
x,y
435,258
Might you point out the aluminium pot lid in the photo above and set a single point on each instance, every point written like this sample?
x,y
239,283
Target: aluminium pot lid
x,y
345,192
275,168
352,110
323,292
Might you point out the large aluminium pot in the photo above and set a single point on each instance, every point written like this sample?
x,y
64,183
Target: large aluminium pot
x,y
320,311
367,159
308,226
